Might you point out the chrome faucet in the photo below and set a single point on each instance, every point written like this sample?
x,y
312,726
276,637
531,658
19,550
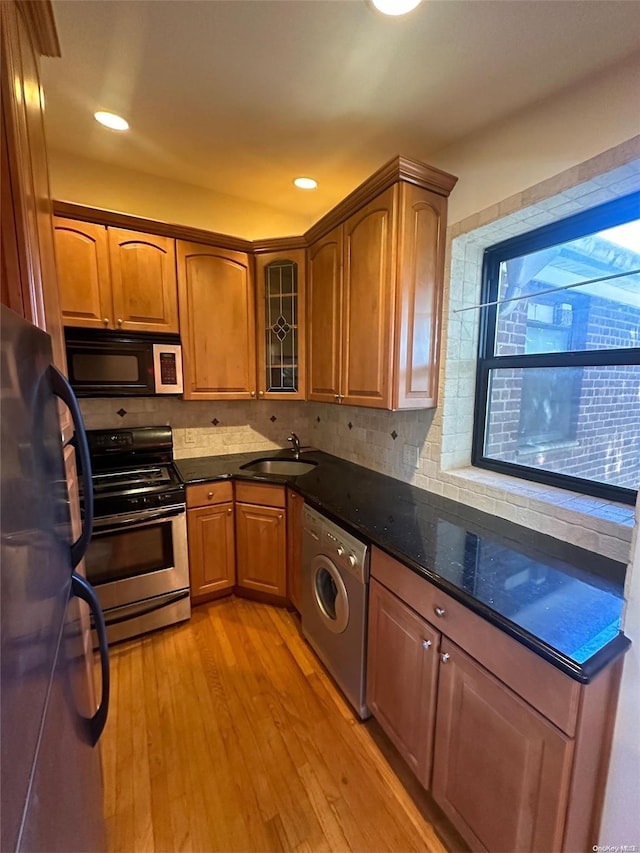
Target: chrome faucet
x,y
295,445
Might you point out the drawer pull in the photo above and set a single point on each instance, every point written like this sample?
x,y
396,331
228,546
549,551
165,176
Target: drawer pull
x,y
209,494
426,644
445,657
439,611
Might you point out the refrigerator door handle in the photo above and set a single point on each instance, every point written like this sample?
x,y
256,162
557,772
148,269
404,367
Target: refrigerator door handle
x,y
81,588
61,388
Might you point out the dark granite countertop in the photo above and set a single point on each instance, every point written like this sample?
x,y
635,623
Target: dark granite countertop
x,y
561,601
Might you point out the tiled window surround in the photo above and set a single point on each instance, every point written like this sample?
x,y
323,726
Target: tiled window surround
x,y
439,442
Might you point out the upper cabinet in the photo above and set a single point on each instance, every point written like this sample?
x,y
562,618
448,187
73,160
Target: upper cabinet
x,y
217,324
325,317
281,326
111,278
375,302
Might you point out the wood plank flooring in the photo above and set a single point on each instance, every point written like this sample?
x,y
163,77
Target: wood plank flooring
x,y
226,734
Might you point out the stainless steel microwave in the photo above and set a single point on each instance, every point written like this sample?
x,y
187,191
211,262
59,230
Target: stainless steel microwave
x,y
104,364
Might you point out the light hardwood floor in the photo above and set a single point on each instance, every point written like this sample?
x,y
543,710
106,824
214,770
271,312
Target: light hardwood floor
x,y
226,734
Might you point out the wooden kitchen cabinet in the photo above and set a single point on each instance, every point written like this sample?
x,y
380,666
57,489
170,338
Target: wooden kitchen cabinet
x,y
501,771
375,299
295,505
281,324
324,319
211,535
520,750
112,278
217,323
402,677
261,552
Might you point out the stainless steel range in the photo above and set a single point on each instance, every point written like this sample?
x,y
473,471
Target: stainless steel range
x,y
137,559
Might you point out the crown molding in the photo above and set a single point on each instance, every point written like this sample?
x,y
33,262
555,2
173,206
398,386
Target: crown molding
x,y
398,169
113,218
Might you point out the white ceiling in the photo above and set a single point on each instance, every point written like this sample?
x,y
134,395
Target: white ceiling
x,y
241,96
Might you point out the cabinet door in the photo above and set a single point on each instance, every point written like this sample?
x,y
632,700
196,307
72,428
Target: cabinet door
x,y
294,548
82,260
217,323
324,302
212,553
368,301
402,672
143,281
501,771
419,297
281,325
261,549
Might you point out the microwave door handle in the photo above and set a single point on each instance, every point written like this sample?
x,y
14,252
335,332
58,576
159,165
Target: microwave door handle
x,y
81,588
61,388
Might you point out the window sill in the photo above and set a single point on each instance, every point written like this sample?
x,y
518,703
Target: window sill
x,y
592,523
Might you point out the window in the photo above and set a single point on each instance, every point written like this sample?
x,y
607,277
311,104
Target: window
x,y
558,387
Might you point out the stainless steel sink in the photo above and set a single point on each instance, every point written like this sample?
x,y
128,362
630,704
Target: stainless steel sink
x,y
286,467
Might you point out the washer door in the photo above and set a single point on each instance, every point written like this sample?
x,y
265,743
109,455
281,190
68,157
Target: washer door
x,y
329,594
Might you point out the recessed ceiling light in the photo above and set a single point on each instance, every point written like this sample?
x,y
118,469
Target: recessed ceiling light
x,y
395,7
306,183
111,120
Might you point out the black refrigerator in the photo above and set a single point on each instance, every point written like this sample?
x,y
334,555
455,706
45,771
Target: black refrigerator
x,y
50,773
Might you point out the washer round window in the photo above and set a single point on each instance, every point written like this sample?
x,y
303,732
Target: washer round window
x,y
330,595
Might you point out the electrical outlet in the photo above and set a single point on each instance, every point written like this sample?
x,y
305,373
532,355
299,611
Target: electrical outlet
x,y
410,456
189,436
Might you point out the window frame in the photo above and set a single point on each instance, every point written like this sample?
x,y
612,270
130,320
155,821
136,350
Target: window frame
x,y
616,212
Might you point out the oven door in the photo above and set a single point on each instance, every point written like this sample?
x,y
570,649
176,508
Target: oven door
x,y
140,556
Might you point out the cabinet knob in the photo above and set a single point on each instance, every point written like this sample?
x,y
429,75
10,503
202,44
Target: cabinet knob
x,y
209,494
445,657
253,393
426,644
439,611
229,511
119,321
293,496
280,516
105,320
261,393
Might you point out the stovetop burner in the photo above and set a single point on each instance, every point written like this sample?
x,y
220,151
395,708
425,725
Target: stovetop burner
x,y
133,470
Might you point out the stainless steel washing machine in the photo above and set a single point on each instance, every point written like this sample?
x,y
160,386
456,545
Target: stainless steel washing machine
x,y
335,587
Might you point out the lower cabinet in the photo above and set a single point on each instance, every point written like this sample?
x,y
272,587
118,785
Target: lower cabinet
x,y
513,750
211,534
402,677
501,771
261,552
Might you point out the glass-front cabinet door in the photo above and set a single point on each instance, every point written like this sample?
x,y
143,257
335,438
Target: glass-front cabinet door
x,y
281,324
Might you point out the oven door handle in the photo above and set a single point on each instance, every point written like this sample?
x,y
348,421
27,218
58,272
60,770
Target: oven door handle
x,y
61,388
147,607
81,588
116,523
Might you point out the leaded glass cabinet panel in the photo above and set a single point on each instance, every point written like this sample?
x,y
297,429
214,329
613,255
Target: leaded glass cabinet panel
x,y
281,325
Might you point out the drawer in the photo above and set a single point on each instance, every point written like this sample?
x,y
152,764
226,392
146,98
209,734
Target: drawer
x,y
263,494
205,494
543,686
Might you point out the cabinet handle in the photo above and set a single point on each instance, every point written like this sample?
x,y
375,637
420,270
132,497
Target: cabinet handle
x,y
119,321
253,393
336,396
209,494
426,644
293,496
439,611
105,320
261,393
280,516
445,657
229,511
